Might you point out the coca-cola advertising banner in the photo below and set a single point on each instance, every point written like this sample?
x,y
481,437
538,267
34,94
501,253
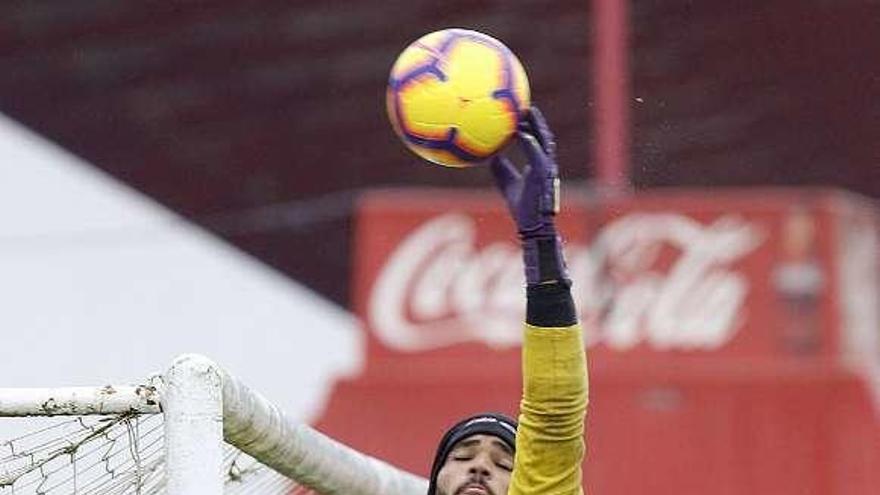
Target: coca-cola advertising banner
x,y
745,273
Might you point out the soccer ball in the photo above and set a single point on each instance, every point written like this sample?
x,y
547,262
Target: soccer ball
x,y
454,96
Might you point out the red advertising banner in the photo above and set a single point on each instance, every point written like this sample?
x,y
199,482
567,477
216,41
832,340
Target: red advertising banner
x,y
741,274
732,335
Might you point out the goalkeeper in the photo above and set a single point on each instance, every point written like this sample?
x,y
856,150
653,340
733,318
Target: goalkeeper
x,y
476,456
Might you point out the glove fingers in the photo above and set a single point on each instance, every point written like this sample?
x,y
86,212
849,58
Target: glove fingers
x,y
542,176
534,154
538,126
505,174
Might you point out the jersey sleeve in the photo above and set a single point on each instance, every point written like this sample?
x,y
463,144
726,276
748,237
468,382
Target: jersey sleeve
x,y
550,437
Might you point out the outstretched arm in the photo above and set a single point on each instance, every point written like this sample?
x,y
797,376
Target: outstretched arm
x,y
550,438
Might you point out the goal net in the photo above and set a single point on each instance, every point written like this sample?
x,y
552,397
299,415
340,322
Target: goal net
x,y
192,430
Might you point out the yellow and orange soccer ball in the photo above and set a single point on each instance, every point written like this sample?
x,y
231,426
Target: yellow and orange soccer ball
x,y
454,96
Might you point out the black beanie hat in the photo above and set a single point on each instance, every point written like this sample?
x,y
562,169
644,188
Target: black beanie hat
x,y
495,424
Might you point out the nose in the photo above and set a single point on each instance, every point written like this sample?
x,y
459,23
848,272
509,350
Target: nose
x,y
480,467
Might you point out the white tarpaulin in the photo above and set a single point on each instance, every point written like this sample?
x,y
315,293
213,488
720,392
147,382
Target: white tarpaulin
x,y
99,284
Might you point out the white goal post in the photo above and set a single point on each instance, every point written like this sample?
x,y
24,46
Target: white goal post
x,y
201,406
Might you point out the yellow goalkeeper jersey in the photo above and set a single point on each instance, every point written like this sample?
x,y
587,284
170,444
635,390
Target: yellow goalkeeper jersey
x,y
550,437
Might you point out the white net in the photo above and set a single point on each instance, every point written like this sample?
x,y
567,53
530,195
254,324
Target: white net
x,y
121,454
168,437
245,475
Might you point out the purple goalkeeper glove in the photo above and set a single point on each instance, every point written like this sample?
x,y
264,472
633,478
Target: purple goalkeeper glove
x,y
533,199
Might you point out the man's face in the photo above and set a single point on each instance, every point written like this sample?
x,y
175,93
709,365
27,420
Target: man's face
x,y
476,465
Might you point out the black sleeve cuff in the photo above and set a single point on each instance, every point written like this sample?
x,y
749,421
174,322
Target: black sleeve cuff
x,y
550,305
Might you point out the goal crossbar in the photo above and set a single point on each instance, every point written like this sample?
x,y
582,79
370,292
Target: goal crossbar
x,y
203,405
78,401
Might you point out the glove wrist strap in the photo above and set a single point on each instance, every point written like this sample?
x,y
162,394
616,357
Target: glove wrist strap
x,y
544,261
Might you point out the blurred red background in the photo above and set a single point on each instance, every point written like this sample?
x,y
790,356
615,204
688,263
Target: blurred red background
x,y
264,122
